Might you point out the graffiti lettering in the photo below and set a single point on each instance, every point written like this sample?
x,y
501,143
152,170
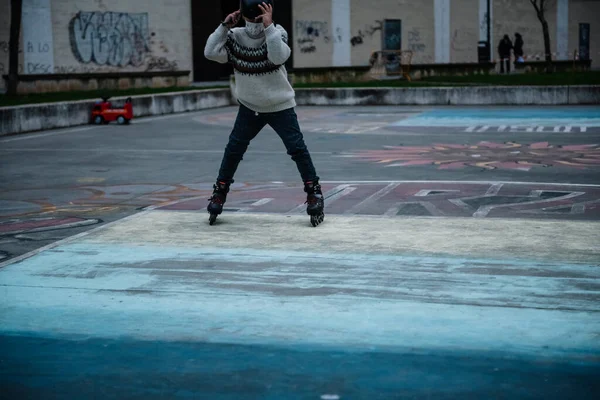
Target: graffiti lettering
x,y
5,47
39,68
312,29
415,42
74,69
368,31
356,40
161,64
38,47
308,49
310,32
110,38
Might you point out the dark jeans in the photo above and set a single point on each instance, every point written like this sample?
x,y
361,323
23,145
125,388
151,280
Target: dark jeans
x,y
248,124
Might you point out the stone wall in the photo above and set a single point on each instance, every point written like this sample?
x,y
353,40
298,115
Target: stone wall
x,y
100,36
37,117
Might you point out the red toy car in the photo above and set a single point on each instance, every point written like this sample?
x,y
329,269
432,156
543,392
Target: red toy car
x,y
103,113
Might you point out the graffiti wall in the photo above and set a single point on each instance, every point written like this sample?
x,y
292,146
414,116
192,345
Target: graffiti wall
x,y
79,36
313,35
110,38
117,36
369,33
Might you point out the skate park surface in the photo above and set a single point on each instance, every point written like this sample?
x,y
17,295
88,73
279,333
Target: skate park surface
x,y
459,258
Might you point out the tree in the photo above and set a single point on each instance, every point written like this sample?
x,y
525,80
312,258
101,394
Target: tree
x,y
541,7
16,7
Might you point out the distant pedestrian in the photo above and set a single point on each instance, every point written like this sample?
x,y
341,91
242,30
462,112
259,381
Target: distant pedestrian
x,y
518,49
504,49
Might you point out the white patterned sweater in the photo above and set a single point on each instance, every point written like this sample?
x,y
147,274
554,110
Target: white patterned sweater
x,y
260,74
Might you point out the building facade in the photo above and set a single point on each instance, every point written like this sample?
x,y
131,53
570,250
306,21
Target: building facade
x,y
346,32
99,36
110,36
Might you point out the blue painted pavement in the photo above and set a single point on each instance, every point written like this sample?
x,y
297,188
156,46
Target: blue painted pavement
x,y
262,307
458,117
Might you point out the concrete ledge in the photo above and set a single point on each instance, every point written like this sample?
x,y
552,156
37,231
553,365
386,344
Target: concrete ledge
x,y
61,115
66,114
492,95
584,94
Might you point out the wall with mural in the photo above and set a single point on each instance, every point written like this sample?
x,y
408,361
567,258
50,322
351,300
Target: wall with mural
x,y
112,35
313,36
414,18
79,36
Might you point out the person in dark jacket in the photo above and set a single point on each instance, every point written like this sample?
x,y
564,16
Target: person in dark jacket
x,y
518,49
504,49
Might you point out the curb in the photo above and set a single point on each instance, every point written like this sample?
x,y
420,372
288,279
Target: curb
x,y
36,117
479,95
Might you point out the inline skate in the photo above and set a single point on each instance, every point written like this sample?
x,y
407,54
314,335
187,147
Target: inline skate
x,y
315,202
217,200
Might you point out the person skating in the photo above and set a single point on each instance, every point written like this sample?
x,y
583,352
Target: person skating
x,y
258,53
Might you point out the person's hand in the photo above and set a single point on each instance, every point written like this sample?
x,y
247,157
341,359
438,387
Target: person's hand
x,y
232,19
267,14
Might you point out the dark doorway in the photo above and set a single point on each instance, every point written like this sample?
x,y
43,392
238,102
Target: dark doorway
x,y
584,42
206,16
282,15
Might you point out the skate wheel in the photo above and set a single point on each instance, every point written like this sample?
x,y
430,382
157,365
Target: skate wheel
x,y
212,219
316,220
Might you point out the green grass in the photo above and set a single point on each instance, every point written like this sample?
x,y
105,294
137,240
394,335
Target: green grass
x,y
562,78
6,101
